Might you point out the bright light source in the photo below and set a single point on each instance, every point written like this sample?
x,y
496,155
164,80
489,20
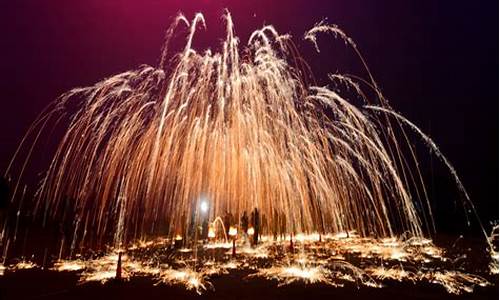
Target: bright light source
x,y
250,231
204,206
211,232
233,231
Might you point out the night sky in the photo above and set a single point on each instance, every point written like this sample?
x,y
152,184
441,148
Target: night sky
x,y
436,62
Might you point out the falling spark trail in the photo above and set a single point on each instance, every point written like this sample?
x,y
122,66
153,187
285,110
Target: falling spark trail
x,y
429,142
145,145
206,136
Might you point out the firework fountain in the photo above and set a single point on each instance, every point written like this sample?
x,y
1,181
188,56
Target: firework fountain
x,y
158,151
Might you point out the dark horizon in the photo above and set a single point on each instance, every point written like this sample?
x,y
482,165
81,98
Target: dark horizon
x,y
437,63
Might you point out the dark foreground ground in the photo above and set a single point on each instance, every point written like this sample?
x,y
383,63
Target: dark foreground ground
x,y
37,284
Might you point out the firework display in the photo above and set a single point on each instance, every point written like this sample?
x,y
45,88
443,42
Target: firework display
x,y
237,160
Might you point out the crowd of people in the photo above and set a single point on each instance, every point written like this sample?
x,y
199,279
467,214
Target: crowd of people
x,y
249,226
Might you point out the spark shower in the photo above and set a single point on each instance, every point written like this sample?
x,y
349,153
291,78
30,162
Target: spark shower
x,y
158,150
243,131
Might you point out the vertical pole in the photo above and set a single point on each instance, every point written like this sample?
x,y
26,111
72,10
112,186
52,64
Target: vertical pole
x,y
119,267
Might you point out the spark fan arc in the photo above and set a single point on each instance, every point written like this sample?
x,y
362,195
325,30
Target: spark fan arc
x,y
242,128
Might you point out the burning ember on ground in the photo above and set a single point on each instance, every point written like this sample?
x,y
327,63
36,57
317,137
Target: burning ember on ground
x,y
335,261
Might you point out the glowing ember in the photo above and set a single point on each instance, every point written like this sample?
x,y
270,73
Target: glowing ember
x,y
395,273
218,245
250,231
233,231
192,280
23,265
293,273
313,264
69,265
493,251
211,232
456,282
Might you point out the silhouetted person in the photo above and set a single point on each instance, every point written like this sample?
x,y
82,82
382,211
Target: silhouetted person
x,y
204,228
244,222
282,222
228,221
192,230
275,225
256,225
263,223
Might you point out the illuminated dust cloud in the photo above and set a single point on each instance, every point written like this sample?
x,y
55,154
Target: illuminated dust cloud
x,y
217,161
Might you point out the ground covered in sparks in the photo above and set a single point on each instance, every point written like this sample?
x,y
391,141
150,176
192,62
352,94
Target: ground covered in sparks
x,y
344,266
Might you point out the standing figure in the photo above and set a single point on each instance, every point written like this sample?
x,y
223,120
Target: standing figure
x,y
256,226
228,221
275,225
244,222
204,229
282,226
